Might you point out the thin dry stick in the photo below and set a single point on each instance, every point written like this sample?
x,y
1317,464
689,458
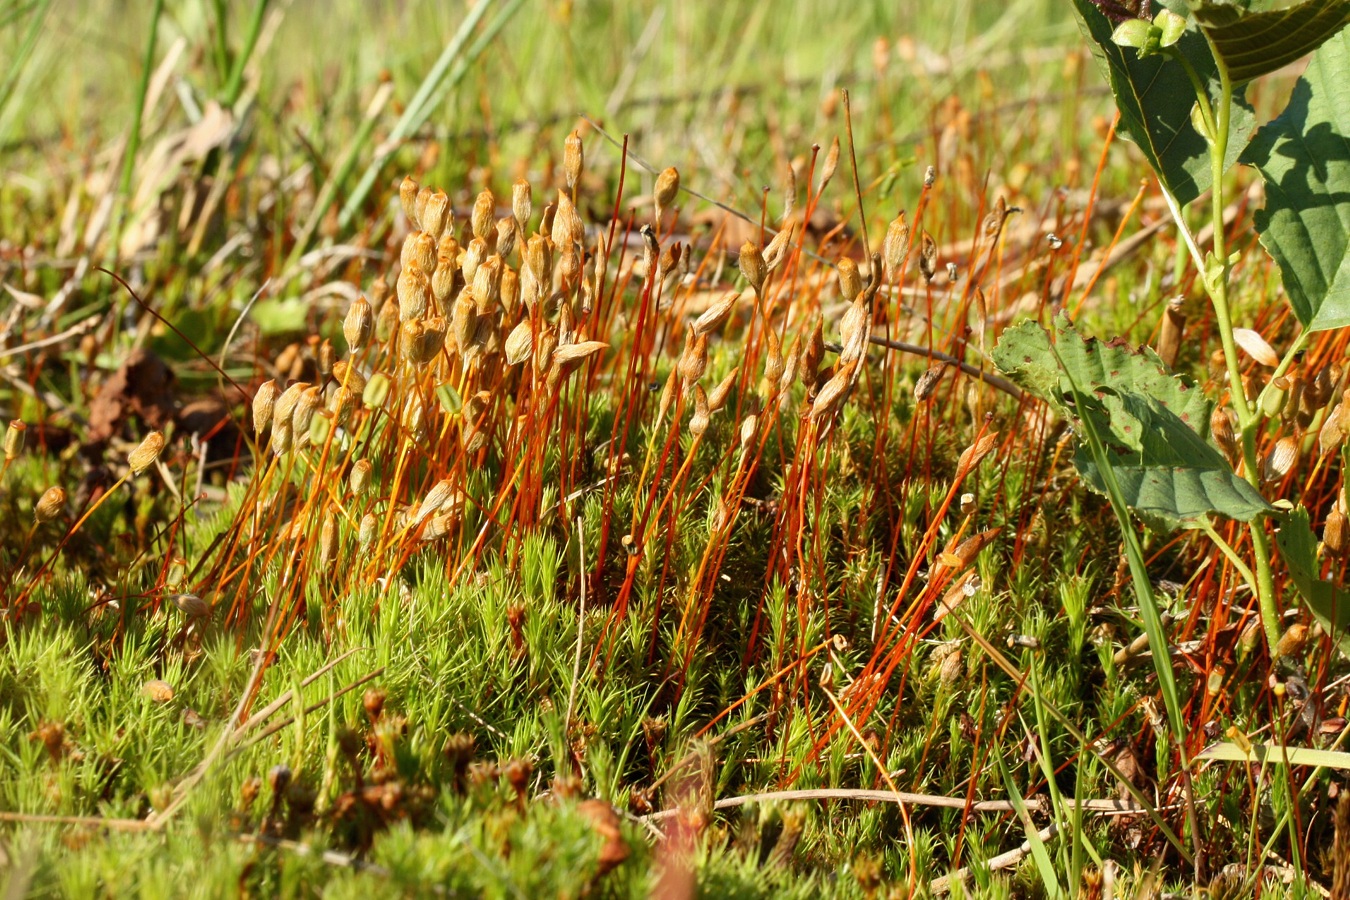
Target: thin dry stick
x,y
973,371
78,330
1098,807
267,711
1002,861
277,726
90,821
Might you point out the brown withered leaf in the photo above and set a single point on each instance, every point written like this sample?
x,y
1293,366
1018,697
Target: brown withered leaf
x,y
963,554
975,453
142,387
606,824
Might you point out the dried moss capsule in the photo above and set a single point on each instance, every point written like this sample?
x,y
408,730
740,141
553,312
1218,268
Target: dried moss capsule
x,y
510,291
694,361
413,290
285,406
436,217
367,530
573,156
464,319
748,426
522,202
441,493
342,404
327,356
349,377
49,505
303,414
405,253
282,437
424,251
1293,641
716,315
751,262
831,164
850,279
328,539
519,343
14,436
359,477
359,324
774,254
414,417
264,402
698,422
773,357
1221,429
483,215
386,321
144,455
1169,335
487,284
506,236
666,190
813,352
407,198
895,246
443,280
568,229
191,605
1334,534
718,398
474,255
420,206
539,258
1281,459
928,256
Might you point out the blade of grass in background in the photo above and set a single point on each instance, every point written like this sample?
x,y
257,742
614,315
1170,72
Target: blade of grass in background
x,y
23,50
448,71
134,136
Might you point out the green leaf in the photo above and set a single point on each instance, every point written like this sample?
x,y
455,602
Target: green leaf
x,y
1274,753
1330,605
1304,157
1132,33
1155,97
1153,424
277,317
1252,44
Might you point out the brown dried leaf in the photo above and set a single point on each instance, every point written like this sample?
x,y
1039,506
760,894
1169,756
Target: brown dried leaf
x,y
142,387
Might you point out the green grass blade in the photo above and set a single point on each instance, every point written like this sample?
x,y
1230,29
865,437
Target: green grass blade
x,y
448,70
1039,853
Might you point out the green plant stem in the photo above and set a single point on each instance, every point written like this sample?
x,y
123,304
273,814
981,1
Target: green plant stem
x,y
1215,278
235,86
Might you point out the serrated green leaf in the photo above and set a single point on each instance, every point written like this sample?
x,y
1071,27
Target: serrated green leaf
x,y
1252,44
1155,97
1330,605
1153,424
1304,157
